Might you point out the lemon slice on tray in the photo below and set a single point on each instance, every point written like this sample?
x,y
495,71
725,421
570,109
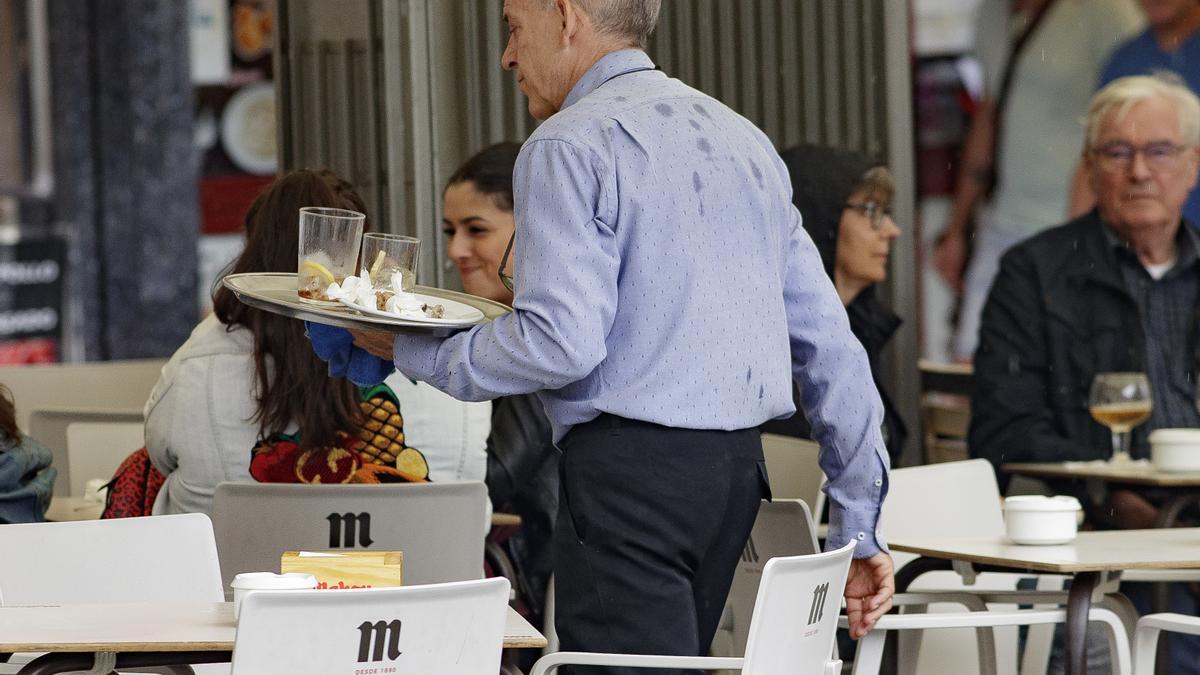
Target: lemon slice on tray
x,y
316,269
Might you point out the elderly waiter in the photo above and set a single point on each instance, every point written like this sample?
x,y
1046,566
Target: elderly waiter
x,y
664,291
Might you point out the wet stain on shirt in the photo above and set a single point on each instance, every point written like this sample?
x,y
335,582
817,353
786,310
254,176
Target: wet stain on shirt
x,y
664,109
758,176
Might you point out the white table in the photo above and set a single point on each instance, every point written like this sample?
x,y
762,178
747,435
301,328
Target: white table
x,y
1182,486
1094,559
144,634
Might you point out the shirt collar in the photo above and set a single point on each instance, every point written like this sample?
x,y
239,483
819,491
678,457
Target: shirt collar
x,y
609,66
1187,246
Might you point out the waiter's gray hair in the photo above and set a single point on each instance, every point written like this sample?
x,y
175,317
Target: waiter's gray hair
x,y
1123,93
629,20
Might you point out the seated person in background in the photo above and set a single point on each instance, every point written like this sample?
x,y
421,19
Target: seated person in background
x,y
1114,290
845,200
522,462
26,477
222,396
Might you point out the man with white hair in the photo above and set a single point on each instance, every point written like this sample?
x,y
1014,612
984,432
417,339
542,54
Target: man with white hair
x,y
1115,290
664,290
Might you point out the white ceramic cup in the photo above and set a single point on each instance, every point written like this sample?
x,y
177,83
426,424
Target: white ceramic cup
x,y
267,581
1036,519
1175,449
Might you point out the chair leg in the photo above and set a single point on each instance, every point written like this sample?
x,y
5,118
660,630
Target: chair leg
x,y
1118,643
869,655
908,643
1038,643
985,638
1145,650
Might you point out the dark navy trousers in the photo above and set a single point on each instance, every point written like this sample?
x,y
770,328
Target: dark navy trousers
x,y
651,523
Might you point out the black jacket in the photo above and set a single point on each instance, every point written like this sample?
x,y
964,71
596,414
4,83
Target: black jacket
x,y
1057,315
522,478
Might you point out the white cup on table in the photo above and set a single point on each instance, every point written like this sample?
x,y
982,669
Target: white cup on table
x,y
267,581
1035,519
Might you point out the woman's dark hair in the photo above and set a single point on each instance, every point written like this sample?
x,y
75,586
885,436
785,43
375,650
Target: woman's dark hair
x,y
491,172
8,417
823,178
298,388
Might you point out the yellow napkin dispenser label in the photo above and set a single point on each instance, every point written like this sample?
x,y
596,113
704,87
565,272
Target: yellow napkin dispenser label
x,y
347,569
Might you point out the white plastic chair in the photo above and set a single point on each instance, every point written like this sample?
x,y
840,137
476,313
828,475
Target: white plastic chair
x,y
1149,627
86,442
782,528
440,527
794,471
963,499
96,449
159,558
454,628
792,630
120,385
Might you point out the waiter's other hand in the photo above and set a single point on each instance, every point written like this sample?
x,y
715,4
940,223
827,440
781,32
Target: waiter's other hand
x,y
376,342
869,590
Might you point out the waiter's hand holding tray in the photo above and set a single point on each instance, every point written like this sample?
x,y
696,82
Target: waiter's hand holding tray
x,y
276,293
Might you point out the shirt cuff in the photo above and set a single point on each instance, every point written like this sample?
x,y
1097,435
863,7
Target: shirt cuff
x,y
861,526
416,357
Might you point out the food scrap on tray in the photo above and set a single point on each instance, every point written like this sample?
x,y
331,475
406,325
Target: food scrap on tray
x,y
360,292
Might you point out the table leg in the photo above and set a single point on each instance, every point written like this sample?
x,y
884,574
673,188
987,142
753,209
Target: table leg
x,y
1079,606
67,662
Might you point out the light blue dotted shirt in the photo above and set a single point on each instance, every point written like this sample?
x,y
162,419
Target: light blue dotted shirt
x,y
662,274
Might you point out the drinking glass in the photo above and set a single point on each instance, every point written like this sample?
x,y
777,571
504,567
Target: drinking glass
x,y
385,255
329,242
1120,401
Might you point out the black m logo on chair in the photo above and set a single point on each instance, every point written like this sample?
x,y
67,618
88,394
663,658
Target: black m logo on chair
x,y
348,524
818,603
383,632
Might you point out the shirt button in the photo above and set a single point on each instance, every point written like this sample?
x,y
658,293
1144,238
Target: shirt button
x,y
878,482
862,535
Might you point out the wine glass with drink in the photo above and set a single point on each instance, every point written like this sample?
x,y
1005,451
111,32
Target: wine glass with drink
x,y
1120,401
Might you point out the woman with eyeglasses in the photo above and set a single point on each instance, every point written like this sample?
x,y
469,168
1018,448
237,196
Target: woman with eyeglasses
x,y
846,201
522,472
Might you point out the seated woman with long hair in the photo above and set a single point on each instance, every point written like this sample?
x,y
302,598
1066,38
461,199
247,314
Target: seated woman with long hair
x,y
246,399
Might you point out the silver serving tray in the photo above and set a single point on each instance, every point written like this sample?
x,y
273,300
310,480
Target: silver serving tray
x,y
275,292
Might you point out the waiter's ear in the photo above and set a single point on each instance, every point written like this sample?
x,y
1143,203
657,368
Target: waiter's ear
x,y
570,18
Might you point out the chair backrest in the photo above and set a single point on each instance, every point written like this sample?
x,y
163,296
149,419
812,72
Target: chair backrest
x,y
440,527
123,385
96,449
945,409
945,419
783,528
794,470
439,628
796,612
951,499
52,428
159,558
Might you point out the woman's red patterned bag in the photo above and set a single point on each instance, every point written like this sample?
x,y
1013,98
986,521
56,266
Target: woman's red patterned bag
x,y
133,487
